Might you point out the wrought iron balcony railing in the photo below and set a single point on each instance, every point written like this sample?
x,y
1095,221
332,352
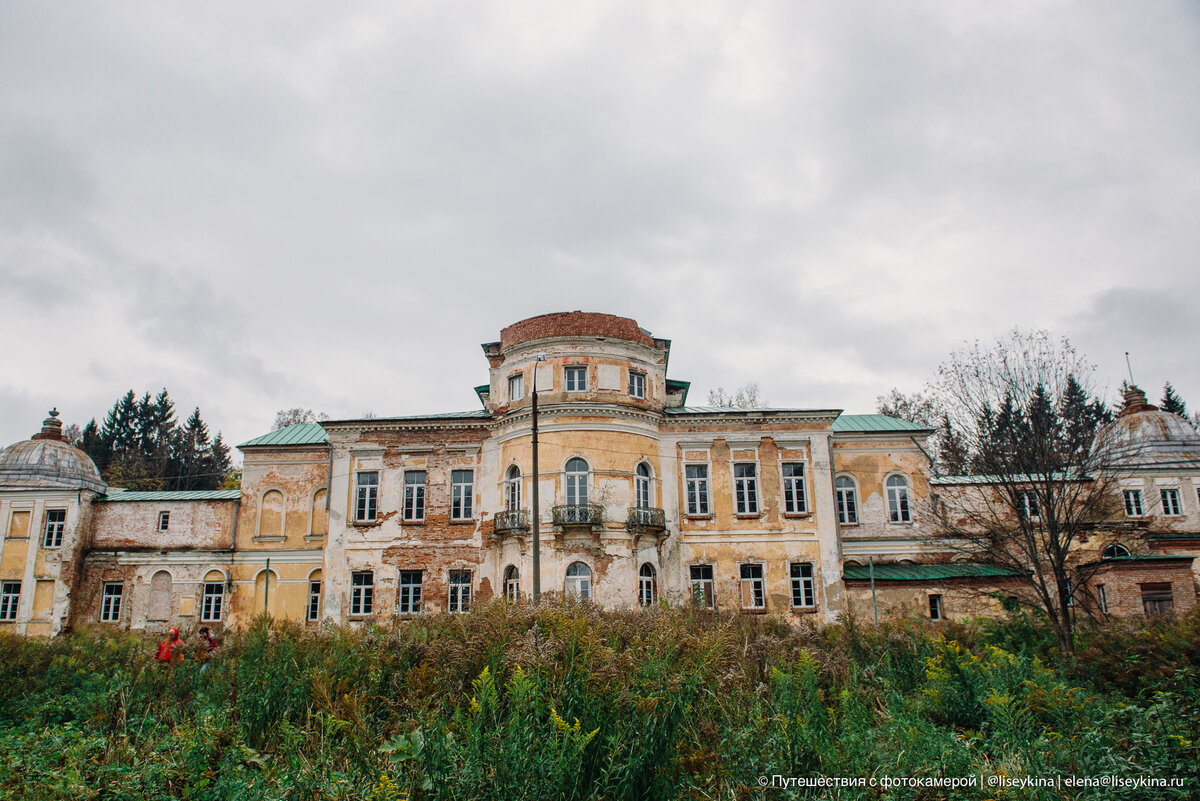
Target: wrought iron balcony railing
x,y
512,521
645,518
579,514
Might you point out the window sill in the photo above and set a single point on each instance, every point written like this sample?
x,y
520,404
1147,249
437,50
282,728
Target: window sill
x,y
466,521
804,610
797,515
366,523
762,611
270,539
699,517
755,516
414,522
855,523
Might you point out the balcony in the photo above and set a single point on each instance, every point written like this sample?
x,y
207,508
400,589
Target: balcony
x,y
579,514
512,521
646,518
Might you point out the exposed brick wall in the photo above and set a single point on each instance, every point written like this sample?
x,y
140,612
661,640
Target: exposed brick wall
x,y
576,323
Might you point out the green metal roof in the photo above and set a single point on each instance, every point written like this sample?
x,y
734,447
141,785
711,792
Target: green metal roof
x,y
481,390
737,410
866,423
1192,536
171,495
894,572
1147,557
674,385
298,434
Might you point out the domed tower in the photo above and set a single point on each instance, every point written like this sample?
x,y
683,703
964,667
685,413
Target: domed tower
x,y
46,490
1144,436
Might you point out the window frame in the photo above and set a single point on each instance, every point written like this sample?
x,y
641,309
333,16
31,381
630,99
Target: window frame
x,y
803,586
1027,505
745,490
10,601
1102,599
637,381
207,612
794,488
937,611
366,496
576,482
647,585
516,380
582,582
899,499
704,589
459,599
512,583
840,493
696,489
575,378
1118,550
414,496
60,527
512,488
643,486
312,610
1177,501
410,594
362,593
109,600
1134,495
164,520
462,495
757,586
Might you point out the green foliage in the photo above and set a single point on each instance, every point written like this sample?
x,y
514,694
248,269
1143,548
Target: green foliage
x,y
568,702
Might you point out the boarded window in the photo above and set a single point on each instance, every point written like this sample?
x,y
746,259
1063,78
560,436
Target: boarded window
x,y
320,518
160,597
270,522
1157,599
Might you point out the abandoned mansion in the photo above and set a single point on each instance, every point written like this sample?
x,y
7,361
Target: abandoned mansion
x,y
642,500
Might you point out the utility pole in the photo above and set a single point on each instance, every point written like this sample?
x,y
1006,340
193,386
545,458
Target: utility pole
x,y
537,540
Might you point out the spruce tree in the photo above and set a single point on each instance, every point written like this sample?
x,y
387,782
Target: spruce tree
x,y
1171,402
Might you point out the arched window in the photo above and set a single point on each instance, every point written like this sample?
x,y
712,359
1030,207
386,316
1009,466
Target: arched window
x,y
159,607
512,489
270,520
898,504
579,581
319,517
641,486
847,501
1114,551
577,482
647,585
512,583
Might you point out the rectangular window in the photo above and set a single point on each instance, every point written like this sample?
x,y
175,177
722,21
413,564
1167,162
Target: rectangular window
x,y
314,601
697,489
1027,505
794,500
366,504
56,521
516,386
753,587
1102,598
935,607
1157,599
460,591
164,520
803,589
702,585
745,488
637,384
1170,502
362,593
462,492
110,601
408,599
575,379
214,602
1133,503
10,598
414,495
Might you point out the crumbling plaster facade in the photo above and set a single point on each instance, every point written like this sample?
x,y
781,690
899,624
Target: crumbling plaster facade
x,y
642,499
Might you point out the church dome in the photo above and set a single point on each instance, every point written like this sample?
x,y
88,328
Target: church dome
x,y
48,461
1145,436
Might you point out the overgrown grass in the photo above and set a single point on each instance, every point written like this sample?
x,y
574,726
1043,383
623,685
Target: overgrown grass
x,y
569,702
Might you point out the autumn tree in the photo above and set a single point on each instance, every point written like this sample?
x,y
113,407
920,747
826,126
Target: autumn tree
x,y
1024,416
293,416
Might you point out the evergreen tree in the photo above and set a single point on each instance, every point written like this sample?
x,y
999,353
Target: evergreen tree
x,y
952,456
1171,402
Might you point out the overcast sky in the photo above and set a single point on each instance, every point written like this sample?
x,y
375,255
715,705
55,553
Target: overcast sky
x,y
329,205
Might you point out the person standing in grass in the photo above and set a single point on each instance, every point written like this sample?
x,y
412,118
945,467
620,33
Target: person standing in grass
x,y
170,649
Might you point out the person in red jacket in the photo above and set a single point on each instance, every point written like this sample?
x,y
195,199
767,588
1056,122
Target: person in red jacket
x,y
171,648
